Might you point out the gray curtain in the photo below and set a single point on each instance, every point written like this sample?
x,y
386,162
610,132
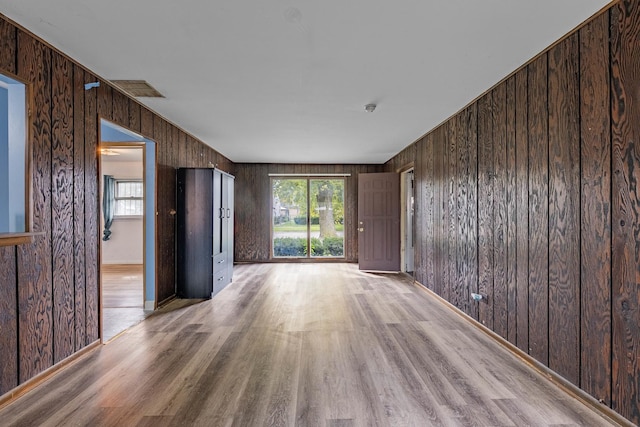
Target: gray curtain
x,y
108,205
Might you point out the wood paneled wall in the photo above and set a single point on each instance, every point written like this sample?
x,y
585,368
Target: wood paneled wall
x,y
529,196
49,290
253,206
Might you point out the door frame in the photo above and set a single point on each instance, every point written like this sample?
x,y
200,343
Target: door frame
x,y
149,231
405,224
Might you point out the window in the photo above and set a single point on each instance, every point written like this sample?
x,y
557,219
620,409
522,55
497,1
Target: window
x,y
308,217
129,198
13,173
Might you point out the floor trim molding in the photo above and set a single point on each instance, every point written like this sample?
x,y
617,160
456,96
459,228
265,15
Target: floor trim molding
x,y
43,376
545,371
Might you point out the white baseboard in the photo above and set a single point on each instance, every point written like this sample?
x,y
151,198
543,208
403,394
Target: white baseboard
x,y
149,305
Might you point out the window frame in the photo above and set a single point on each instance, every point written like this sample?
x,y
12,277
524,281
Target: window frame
x,y
117,198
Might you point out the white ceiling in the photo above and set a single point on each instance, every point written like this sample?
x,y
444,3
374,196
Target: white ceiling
x,y
287,81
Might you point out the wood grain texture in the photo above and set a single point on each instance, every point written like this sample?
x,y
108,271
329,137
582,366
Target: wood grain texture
x,y
564,210
92,213
8,319
522,209
538,210
34,260
452,215
62,207
440,251
301,344
485,209
8,46
79,213
105,101
500,225
146,122
134,116
625,131
472,206
461,287
595,231
430,211
120,108
511,213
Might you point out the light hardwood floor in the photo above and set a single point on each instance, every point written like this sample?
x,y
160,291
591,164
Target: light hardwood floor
x,y
305,345
122,298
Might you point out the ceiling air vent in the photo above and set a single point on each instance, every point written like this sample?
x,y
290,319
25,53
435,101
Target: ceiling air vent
x,y
138,88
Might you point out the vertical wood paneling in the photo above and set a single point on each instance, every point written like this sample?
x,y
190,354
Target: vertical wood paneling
x,y
462,231
134,116
485,209
511,213
564,210
500,291
146,123
522,209
105,102
430,185
472,206
595,232
62,208
92,212
79,233
538,210
419,230
439,213
8,319
120,108
625,130
451,230
8,46
34,260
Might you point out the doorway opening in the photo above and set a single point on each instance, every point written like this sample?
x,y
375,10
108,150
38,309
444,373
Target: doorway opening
x,y
407,221
307,217
127,205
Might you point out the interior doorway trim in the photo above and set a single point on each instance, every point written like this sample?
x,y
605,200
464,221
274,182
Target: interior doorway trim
x,y
111,135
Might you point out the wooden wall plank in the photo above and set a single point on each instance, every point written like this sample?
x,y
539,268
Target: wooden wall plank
x,y
485,209
538,210
595,231
8,46
522,209
79,232
134,116
440,250
105,101
8,319
451,229
92,213
500,291
62,208
564,210
146,123
625,130
34,260
430,185
462,229
472,207
120,108
418,206
511,214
